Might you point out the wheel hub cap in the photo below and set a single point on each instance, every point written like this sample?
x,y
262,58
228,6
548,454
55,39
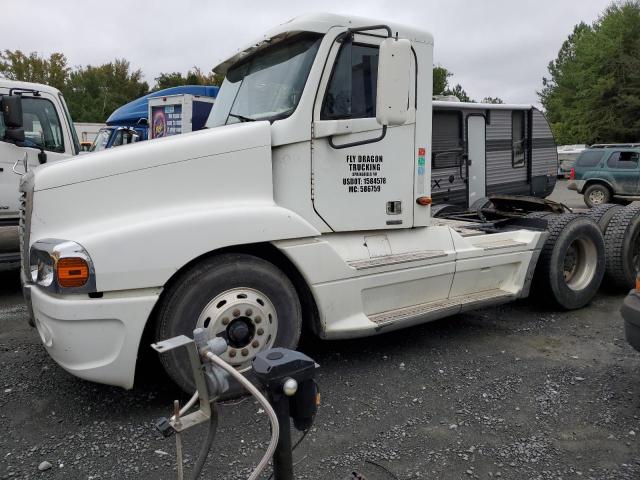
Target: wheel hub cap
x,y
246,319
580,263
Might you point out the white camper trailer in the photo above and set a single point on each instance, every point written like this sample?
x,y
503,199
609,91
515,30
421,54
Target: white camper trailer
x,y
490,149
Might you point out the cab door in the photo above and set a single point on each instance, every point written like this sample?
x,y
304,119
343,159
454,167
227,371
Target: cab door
x,y
43,127
363,175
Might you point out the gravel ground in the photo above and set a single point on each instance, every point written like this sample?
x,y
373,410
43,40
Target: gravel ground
x,y
570,198
512,392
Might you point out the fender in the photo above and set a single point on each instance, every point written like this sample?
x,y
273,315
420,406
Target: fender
x,y
147,254
591,181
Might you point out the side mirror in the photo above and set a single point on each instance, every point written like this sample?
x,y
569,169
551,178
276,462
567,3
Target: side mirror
x,y
12,111
394,82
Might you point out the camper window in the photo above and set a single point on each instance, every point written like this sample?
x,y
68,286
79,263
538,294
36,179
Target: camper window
x,y
448,146
352,88
518,139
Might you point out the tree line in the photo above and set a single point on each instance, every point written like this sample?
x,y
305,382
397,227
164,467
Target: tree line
x,y
94,92
593,92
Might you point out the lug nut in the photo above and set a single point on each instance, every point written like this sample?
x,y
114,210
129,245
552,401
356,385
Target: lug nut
x,y
244,352
232,353
255,344
260,331
249,312
258,319
236,313
225,321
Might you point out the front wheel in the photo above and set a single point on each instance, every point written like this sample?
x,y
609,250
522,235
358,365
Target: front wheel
x,y
244,299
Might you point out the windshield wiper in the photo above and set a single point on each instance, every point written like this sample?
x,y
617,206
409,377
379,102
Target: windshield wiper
x,y
242,118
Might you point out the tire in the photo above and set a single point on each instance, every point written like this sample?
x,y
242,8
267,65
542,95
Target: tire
x,y
572,262
602,214
597,194
444,209
230,289
539,214
480,203
622,241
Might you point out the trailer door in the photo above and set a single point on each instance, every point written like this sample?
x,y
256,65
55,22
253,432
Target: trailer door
x,y
362,178
476,151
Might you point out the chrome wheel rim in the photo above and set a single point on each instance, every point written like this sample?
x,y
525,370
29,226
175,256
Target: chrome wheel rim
x,y
580,263
596,197
246,319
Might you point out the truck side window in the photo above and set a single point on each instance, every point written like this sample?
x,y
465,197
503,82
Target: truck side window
x,y
518,139
41,124
448,145
623,160
351,92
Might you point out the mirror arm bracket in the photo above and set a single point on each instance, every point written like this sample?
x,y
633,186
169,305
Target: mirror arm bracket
x,y
372,27
361,142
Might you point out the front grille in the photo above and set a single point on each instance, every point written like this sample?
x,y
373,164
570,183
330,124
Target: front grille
x,y
24,228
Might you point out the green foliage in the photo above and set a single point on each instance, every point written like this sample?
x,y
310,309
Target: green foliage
x,y
194,76
93,93
53,71
494,100
440,79
593,93
459,92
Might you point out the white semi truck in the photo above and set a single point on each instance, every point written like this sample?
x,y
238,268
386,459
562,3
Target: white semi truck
x,y
35,128
306,202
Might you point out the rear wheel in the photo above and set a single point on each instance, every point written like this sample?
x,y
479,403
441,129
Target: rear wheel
x,y
597,194
622,241
572,262
602,214
244,299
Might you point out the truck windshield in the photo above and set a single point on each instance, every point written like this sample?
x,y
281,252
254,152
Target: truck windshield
x,y
101,141
268,85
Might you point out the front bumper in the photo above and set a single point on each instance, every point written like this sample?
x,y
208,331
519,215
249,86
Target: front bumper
x,y
96,339
631,314
577,185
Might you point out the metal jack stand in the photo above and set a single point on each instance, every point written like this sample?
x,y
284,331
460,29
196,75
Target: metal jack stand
x,y
288,378
286,375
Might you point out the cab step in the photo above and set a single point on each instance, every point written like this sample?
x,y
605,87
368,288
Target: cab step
x,y
396,259
443,308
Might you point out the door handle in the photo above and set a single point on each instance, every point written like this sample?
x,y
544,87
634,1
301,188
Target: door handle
x,y
24,162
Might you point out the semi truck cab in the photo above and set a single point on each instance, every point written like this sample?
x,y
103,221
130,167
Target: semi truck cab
x,y
306,201
39,131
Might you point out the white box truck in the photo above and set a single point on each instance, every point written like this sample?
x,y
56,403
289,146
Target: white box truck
x,y
176,114
306,201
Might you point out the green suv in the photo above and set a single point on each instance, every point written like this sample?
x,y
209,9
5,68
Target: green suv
x,y
607,173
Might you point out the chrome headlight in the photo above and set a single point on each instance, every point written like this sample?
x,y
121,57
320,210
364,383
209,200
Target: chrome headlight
x,y
61,266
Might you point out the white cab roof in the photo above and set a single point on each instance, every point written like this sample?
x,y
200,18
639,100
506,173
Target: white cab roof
x,y
320,23
7,84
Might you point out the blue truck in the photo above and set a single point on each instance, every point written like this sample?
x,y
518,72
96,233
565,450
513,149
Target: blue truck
x,y
130,123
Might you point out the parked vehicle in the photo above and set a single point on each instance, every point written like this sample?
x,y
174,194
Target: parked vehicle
x,y
487,149
130,123
567,156
176,114
307,200
87,133
607,173
35,128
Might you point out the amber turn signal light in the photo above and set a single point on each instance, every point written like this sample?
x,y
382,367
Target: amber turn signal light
x,y
638,283
72,272
424,201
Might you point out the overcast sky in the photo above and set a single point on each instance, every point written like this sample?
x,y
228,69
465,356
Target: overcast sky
x,y
494,47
